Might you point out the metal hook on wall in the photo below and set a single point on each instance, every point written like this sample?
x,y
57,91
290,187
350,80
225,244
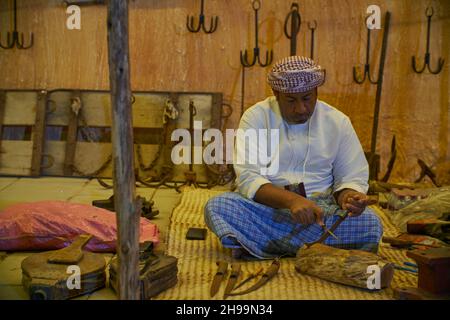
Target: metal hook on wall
x,y
296,21
269,54
429,13
312,27
14,38
358,79
201,22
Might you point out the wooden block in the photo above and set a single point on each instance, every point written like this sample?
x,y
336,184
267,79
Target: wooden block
x,y
434,269
412,293
350,267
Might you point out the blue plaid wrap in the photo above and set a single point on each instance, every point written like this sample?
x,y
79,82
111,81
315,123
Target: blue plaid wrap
x,y
266,233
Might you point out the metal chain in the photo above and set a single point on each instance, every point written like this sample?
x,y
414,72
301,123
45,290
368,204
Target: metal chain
x,y
76,107
170,112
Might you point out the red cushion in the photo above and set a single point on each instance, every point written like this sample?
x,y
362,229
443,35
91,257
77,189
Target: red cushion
x,y
48,225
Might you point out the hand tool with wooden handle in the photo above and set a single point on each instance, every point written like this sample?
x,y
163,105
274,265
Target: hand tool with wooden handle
x,y
327,233
220,275
232,280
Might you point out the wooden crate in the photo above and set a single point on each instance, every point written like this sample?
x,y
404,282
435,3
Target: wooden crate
x,y
71,154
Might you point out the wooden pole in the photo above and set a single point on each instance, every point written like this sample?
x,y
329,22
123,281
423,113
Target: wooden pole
x,y
374,162
122,145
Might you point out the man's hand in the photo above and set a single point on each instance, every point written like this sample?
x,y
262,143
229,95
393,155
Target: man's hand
x,y
353,201
305,211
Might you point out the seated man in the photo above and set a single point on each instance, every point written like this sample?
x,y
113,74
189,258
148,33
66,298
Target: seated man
x,y
317,149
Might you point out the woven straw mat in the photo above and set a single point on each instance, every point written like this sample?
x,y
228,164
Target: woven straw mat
x,y
197,263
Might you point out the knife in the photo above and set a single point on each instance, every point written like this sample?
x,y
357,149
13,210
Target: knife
x,y
222,267
232,280
269,274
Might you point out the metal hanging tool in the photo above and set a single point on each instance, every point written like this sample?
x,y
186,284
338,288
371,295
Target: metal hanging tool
x,y
256,57
372,157
357,78
201,22
312,27
373,142
14,38
391,162
426,171
242,91
429,13
296,21
191,175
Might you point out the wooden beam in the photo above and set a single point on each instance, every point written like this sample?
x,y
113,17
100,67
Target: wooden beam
x,y
39,133
123,154
72,133
216,110
2,115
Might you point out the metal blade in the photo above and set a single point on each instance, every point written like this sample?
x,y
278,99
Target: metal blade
x,y
220,275
332,234
232,280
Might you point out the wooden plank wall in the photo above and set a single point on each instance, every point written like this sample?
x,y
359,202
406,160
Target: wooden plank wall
x,y
166,57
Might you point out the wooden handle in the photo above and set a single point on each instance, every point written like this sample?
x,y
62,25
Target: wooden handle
x,y
273,269
71,254
222,267
235,270
397,242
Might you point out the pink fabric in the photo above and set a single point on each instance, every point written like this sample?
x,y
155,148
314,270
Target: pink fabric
x,y
48,225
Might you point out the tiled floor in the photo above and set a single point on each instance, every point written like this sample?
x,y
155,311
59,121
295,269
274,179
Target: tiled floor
x,y
15,190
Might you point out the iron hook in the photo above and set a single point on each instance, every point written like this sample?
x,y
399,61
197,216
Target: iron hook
x,y
256,4
296,21
201,23
429,12
15,38
356,77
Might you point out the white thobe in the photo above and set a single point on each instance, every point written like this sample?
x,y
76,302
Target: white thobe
x,y
335,159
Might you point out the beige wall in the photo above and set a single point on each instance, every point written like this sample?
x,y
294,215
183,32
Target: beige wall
x,y
165,56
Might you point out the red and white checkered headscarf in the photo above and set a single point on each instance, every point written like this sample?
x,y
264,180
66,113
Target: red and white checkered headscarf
x,y
295,74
